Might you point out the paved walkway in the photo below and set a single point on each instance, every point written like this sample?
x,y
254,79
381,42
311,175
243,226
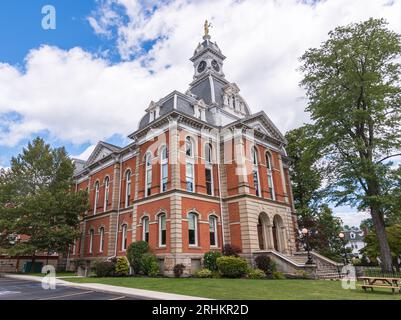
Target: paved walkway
x,y
122,291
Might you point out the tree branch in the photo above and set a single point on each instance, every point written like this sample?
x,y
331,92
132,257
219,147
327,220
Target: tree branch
x,y
388,157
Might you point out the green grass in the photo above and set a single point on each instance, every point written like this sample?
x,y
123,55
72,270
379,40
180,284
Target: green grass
x,y
245,289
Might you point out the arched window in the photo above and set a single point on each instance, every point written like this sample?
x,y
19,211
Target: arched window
x,y
148,174
162,230
189,171
145,229
193,229
101,239
106,193
96,202
124,237
163,169
213,231
91,235
255,171
127,188
208,169
270,175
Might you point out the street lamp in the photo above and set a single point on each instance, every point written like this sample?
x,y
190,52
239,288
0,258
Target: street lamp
x,y
305,239
344,250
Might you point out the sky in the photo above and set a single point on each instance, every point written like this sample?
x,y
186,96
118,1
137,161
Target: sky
x,y
92,77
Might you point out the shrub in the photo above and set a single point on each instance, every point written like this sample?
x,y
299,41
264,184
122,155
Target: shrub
x,y
150,265
256,274
179,270
229,250
135,253
104,268
232,267
210,260
204,273
122,267
278,275
263,262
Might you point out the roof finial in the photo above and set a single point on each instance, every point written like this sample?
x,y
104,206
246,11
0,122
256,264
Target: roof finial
x,y
207,26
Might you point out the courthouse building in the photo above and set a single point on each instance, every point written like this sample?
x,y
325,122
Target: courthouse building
x,y
201,171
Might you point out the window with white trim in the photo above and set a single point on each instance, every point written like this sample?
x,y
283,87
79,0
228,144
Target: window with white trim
x,y
148,174
193,229
270,175
189,166
124,237
96,202
162,230
163,169
145,229
91,235
101,239
255,172
208,169
213,231
127,188
106,193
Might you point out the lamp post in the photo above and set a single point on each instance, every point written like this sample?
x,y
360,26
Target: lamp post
x,y
305,239
344,250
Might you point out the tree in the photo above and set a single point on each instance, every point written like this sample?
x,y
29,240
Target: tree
x,y
353,85
307,178
37,201
394,238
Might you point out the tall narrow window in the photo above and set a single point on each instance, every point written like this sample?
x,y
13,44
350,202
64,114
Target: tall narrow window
x,y
162,230
270,176
256,181
96,202
124,237
91,235
106,193
209,169
163,168
193,229
145,229
74,247
127,188
189,171
101,239
148,174
213,231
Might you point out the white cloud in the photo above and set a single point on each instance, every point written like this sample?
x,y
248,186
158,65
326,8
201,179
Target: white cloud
x,y
79,97
350,217
85,155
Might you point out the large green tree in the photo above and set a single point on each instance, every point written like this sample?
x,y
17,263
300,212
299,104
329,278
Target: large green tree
x,y
307,178
38,203
353,85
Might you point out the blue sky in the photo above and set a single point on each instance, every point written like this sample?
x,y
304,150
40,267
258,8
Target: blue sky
x,y
21,31
92,78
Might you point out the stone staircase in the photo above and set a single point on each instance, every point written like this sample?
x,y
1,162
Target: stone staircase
x,y
322,268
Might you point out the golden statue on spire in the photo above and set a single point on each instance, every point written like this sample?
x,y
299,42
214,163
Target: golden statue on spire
x,y
207,26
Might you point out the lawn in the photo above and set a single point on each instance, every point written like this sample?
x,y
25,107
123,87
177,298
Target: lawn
x,y
245,289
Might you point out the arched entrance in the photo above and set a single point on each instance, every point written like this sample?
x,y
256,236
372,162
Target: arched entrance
x,y
278,234
264,230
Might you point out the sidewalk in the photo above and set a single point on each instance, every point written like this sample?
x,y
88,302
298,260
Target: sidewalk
x,y
139,293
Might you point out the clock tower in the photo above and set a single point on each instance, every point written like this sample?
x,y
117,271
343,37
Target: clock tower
x,y
207,58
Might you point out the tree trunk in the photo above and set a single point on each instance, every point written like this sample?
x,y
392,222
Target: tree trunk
x,y
385,253
33,263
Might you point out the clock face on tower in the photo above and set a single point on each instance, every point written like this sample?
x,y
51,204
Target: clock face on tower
x,y
215,65
202,66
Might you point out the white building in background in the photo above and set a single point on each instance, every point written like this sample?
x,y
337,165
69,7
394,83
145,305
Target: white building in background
x,y
355,240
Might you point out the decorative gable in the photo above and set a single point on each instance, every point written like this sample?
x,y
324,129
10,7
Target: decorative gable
x,y
101,151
